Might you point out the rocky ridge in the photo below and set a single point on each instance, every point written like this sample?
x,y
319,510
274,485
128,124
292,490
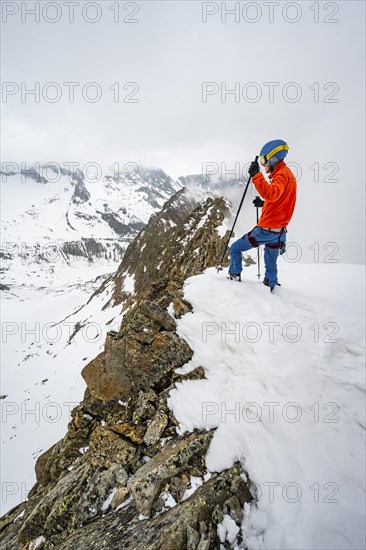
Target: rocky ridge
x,y
122,476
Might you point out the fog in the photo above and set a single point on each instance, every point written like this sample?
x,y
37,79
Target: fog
x,y
295,71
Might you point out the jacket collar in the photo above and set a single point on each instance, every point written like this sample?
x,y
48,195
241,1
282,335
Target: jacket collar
x,y
281,164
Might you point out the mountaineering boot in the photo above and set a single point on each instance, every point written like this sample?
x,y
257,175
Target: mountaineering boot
x,y
233,277
266,283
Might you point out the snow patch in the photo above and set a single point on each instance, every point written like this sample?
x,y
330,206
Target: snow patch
x,y
168,499
20,516
285,390
129,284
106,504
222,229
170,310
195,482
36,543
227,529
204,219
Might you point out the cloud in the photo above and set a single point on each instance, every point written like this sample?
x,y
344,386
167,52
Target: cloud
x,y
169,53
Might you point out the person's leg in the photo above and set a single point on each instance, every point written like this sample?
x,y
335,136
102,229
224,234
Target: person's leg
x,y
258,236
271,253
239,246
270,263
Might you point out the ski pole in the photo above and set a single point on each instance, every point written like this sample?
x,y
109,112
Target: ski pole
x,y
258,257
219,266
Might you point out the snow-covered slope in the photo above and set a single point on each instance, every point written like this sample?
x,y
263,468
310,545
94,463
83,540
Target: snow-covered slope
x,y
48,335
50,223
285,389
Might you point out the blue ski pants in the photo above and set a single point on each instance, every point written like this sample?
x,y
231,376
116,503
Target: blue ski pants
x,y
257,236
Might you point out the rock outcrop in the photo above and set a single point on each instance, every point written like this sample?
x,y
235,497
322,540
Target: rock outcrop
x,y
122,477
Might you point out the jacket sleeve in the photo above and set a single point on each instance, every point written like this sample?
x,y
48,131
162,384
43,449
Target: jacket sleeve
x,y
269,192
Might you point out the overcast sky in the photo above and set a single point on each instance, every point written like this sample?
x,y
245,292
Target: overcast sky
x,y
313,51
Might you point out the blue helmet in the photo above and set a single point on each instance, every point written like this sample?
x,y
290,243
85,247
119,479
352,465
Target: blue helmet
x,y
273,151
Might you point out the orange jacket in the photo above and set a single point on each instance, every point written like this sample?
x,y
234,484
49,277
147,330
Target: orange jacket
x,y
279,196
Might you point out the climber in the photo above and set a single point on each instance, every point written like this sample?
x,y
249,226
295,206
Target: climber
x,y
278,206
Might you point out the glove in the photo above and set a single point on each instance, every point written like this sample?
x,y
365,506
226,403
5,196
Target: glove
x,y
253,168
258,202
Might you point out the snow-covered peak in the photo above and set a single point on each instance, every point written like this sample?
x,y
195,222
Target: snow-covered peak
x,y
54,217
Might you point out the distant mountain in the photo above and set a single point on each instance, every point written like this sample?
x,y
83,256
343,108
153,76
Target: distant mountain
x,y
55,219
68,217
215,184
